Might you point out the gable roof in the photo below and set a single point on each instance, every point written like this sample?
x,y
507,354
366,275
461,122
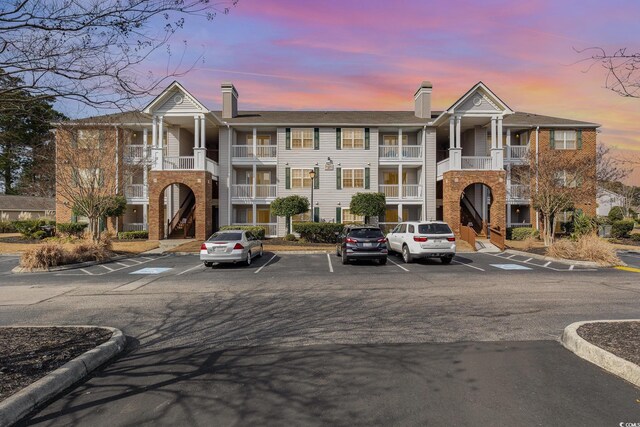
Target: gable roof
x,y
168,91
327,118
26,203
481,86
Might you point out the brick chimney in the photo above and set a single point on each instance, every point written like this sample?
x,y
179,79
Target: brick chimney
x,y
229,101
422,100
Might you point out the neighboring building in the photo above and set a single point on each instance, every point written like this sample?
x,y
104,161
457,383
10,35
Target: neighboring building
x,y
213,168
26,207
608,199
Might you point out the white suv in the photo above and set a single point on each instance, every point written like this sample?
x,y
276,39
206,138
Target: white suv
x,y
429,239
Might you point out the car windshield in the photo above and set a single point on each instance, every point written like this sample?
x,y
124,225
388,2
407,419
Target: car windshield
x,y
225,237
366,233
434,229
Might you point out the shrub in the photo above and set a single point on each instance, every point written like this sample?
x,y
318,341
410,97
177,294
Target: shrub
x,y
256,230
75,229
368,205
621,228
585,248
89,251
290,237
130,235
317,232
635,237
29,228
522,233
44,256
616,214
289,206
7,227
582,225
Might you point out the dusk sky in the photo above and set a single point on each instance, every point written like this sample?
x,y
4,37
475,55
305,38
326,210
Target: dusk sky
x,y
310,54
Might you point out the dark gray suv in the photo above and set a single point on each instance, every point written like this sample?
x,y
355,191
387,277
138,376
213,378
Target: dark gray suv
x,y
361,242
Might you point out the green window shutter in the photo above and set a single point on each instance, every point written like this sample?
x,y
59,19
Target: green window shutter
x,y
579,138
338,178
367,179
316,214
316,138
287,178
366,139
338,214
288,140
338,139
316,180
552,139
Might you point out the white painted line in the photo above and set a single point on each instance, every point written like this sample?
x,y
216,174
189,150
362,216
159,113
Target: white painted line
x,y
135,260
467,265
330,265
547,264
571,267
527,260
147,258
88,272
393,262
265,264
124,265
104,266
201,265
510,256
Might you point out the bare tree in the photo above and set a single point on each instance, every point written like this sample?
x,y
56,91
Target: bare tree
x,y
622,69
92,51
609,168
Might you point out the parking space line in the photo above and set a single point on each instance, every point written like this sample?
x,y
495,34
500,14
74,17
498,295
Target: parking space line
x,y
88,272
571,267
547,264
200,265
135,260
265,264
510,256
124,265
147,258
104,266
330,265
467,265
393,262
528,259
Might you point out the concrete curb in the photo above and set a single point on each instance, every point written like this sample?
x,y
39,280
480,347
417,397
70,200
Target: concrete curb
x,y
21,270
19,405
558,260
594,354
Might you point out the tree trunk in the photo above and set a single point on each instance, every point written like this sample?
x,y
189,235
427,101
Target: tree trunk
x,y
288,219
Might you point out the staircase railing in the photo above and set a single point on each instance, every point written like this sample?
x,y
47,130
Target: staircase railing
x,y
497,238
477,218
178,215
468,234
191,217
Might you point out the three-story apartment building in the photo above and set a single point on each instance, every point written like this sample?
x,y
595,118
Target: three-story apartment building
x,y
202,169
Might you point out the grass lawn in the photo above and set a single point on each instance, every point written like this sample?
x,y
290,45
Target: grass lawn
x,y
13,243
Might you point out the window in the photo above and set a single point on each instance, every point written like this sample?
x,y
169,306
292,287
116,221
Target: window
x,y
434,229
260,139
300,178
410,229
566,179
349,218
88,178
302,138
225,237
89,138
352,178
393,140
366,233
353,139
565,139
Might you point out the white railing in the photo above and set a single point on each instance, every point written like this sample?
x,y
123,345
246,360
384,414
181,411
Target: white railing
x,y
389,190
244,191
412,191
412,151
516,152
476,162
389,151
242,151
212,166
178,163
265,191
271,228
518,191
135,226
518,224
246,151
441,167
136,152
266,151
135,191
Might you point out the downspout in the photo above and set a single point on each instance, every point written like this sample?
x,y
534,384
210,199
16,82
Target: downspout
x,y
537,183
117,172
228,173
424,172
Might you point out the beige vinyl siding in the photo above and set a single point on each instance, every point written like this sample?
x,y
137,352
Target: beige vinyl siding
x,y
429,175
170,105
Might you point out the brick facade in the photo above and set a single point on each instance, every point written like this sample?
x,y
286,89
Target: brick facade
x,y
455,182
200,182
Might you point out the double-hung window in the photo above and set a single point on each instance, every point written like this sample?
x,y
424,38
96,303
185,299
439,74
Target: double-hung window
x,y
302,138
566,179
300,178
352,178
349,218
565,140
353,139
393,139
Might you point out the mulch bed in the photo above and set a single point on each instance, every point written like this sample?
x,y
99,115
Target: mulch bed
x,y
28,354
537,251
619,338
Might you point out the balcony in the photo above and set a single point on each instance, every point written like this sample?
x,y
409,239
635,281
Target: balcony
x,y
409,191
178,163
135,226
518,193
392,152
246,152
516,153
245,191
476,162
136,153
135,191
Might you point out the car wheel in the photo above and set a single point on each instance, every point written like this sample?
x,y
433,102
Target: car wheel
x,y
208,264
248,258
446,259
345,260
382,261
261,251
406,255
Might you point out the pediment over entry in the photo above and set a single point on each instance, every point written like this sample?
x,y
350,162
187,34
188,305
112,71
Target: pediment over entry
x,y
479,100
175,100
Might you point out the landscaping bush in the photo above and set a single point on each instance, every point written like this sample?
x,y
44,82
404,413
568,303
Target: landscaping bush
x,y
522,233
621,228
7,227
635,237
29,228
257,230
586,248
317,232
130,235
582,225
616,214
89,251
44,256
75,229
290,237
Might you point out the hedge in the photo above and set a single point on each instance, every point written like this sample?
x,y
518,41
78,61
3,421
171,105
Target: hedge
x,y
621,228
318,232
7,227
616,214
523,233
71,228
257,230
130,235
30,228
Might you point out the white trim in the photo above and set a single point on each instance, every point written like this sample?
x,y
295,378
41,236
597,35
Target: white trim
x,y
364,143
364,184
304,177
154,103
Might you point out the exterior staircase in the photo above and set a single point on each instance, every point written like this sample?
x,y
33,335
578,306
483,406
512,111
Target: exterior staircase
x,y
182,225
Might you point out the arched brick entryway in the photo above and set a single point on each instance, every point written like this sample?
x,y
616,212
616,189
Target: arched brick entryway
x,y
455,182
199,182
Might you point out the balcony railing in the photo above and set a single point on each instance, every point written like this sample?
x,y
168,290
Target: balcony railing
x,y
266,151
412,151
135,152
245,191
389,190
518,192
476,162
246,151
390,152
178,163
135,226
135,191
441,167
516,152
409,191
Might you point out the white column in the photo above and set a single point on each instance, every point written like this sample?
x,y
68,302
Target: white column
x,y
145,207
493,132
198,144
203,140
400,218
499,142
508,143
160,132
452,132
254,180
255,213
455,150
459,132
400,183
156,150
196,131
508,215
154,131
255,144
400,143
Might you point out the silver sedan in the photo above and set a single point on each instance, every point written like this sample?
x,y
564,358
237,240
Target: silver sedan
x,y
230,246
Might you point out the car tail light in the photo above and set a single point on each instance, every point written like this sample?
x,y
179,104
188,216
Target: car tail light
x,y
419,239
451,239
350,240
238,246
203,247
382,240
